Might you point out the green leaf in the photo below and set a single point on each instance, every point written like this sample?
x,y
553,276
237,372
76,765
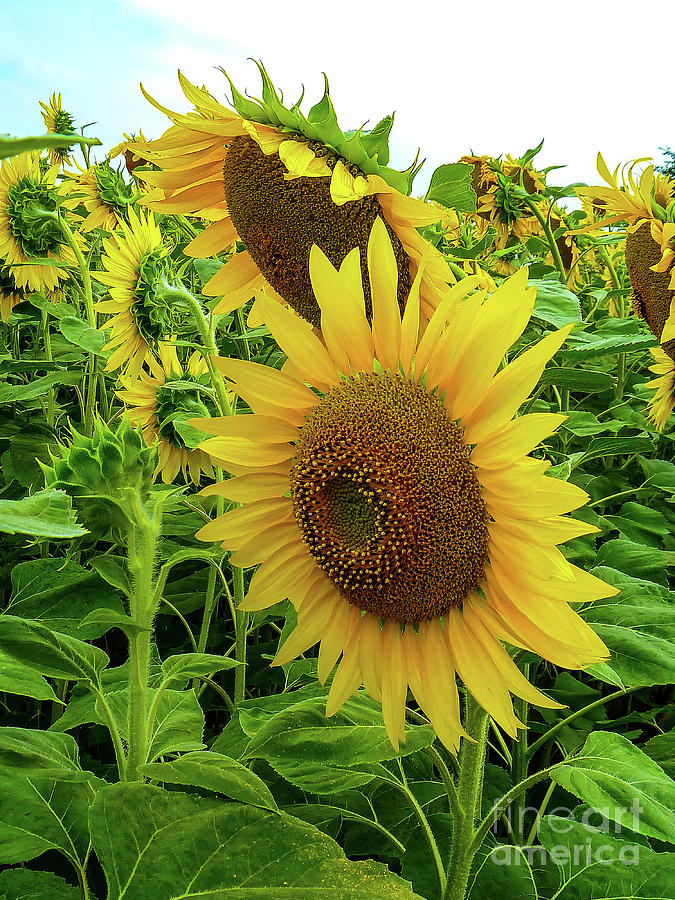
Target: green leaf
x,y
323,755
555,305
113,570
661,749
641,524
588,381
13,146
451,186
493,877
586,862
29,753
81,334
636,560
178,725
160,845
214,772
39,814
18,678
61,594
25,884
659,473
102,620
47,514
187,665
48,652
599,448
638,626
616,778
612,336
14,393
585,424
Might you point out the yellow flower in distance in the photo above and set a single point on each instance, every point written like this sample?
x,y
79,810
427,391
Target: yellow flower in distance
x,y
10,294
281,182
161,401
26,235
663,401
57,121
387,493
104,194
135,260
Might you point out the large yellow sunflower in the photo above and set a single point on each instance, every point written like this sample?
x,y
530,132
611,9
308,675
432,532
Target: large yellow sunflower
x,y
135,260
102,192
57,121
27,237
387,492
282,182
663,402
161,401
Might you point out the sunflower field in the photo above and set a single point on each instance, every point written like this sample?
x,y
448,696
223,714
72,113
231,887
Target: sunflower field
x,y
338,522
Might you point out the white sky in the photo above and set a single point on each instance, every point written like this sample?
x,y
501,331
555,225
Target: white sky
x,y
586,75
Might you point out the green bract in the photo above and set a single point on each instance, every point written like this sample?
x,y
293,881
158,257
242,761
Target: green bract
x,y
368,150
108,475
31,207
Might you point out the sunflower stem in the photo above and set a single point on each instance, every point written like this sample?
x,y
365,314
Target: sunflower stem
x,y
142,552
240,632
555,252
92,375
428,833
47,338
471,769
520,762
448,782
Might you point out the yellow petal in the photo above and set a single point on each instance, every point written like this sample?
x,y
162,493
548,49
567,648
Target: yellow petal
x,y
278,577
239,525
219,236
513,441
265,544
245,452
383,273
394,684
266,429
237,281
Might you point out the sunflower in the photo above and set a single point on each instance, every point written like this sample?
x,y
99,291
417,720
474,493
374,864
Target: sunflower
x,y
161,401
29,233
136,262
663,401
130,148
281,182
387,492
647,205
104,194
57,121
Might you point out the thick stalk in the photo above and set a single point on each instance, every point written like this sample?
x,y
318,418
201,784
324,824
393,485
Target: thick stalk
x,y
92,376
469,789
51,396
555,252
520,759
142,557
240,632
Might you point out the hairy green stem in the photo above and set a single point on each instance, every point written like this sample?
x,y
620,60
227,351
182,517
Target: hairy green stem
x,y
471,769
555,252
520,760
448,782
240,632
51,396
142,546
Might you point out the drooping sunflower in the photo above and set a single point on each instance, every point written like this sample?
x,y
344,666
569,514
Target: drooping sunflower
x,y
387,491
136,262
57,121
102,192
282,182
130,148
28,233
647,205
161,402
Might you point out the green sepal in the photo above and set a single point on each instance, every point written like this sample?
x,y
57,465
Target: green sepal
x,y
376,141
245,106
323,122
273,104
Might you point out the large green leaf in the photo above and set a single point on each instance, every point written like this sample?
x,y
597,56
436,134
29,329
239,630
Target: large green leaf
x,y
82,335
48,652
178,725
636,560
24,884
214,772
555,304
47,514
503,871
187,665
661,748
19,678
616,778
60,594
638,625
14,393
160,845
38,814
30,753
451,185
323,755
586,863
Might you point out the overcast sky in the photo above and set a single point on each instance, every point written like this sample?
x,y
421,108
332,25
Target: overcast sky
x,y
486,76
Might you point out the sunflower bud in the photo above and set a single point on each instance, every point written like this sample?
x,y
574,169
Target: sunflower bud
x,y
108,475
